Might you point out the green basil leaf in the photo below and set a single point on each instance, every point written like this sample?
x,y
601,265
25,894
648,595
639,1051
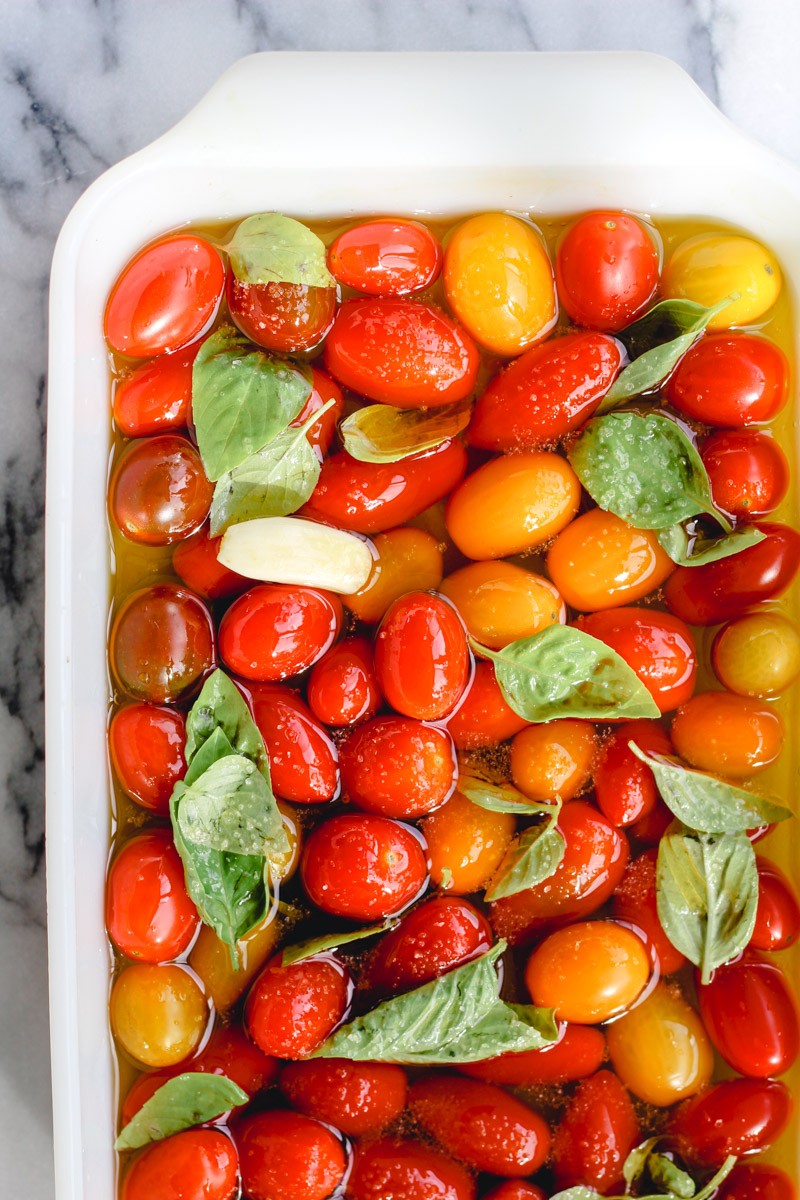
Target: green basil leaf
x,y
506,1029
636,1163
707,895
576,1193
719,1177
380,433
705,803
564,672
532,858
688,550
667,1175
271,248
231,807
643,469
241,399
212,750
221,706
481,789
192,1098
330,941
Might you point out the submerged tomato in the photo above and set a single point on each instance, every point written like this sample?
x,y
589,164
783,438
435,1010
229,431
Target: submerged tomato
x,y
146,744
323,389
303,761
386,257
624,786
466,844
757,654
553,759
660,1049
282,317
161,643
406,560
606,270
727,734
738,1116
601,562
391,1167
595,1136
778,915
483,718
156,397
589,972
159,492
635,903
657,646
286,1156
749,472
149,915
731,379
356,1097
158,1013
757,1181
500,602
751,1017
399,767
292,1009
516,1189
442,933
198,1164
422,659
274,631
342,687
194,560
579,1052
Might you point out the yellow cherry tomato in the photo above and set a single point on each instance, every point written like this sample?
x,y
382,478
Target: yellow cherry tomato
x,y
554,759
711,266
211,959
406,560
588,972
158,1013
286,866
601,562
466,844
499,282
660,1049
757,655
727,734
500,602
512,504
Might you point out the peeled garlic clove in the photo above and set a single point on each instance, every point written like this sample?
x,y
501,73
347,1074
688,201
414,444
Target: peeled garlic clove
x,y
293,550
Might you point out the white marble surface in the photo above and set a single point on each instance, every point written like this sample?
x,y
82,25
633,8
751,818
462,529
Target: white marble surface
x,y
85,82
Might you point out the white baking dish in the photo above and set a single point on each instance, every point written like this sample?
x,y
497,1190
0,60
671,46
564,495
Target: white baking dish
x,y
320,135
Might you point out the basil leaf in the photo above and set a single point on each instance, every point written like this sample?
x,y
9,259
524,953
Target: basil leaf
x,y
506,1029
241,399
586,1193
231,807
480,789
721,1175
192,1098
330,941
689,550
705,803
532,858
271,248
634,1166
643,469
707,895
580,1192
564,672
221,706
667,1175
380,433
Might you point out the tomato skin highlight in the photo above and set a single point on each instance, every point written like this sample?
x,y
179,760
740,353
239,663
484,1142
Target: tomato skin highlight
x,y
198,1164
303,760
483,718
161,644
597,1132
737,1116
195,562
657,646
386,257
751,1017
147,744
634,902
579,1052
757,1181
159,492
625,788
357,1098
606,270
274,631
392,1167
730,380
778,916
149,915
748,471
157,396
440,934
342,687
291,1010
282,317
399,767
401,352
727,734
286,1156
422,659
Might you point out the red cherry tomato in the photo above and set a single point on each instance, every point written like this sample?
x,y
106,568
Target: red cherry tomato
x,y
291,1010
778,916
156,397
483,718
373,497
161,643
199,1164
595,856
391,1167
399,767
624,786
149,915
480,1124
146,745
166,297
751,1017
579,1052
546,393
718,591
422,658
159,492
303,761
282,317
515,1189
634,902
653,825
364,867
595,1136
274,631
738,1116
342,687
357,1098
731,379
194,560
606,270
440,934
657,646
401,352
286,1156
323,389
757,1181
749,472
386,257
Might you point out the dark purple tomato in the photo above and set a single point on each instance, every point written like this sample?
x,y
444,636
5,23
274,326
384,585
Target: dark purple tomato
x,y
161,644
159,492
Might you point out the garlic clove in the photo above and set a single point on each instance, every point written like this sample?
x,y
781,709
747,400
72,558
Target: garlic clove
x,y
293,550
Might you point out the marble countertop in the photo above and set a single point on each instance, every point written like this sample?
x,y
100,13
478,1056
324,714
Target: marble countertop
x,y
86,82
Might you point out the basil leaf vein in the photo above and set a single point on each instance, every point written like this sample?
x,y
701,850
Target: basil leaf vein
x,y
380,433
532,858
189,1099
272,248
231,807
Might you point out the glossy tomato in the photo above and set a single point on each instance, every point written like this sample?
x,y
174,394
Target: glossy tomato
x,y
356,1097
395,1167
757,654
156,397
286,1156
158,1013
146,744
710,268
159,492
282,317
406,560
466,844
516,1189
606,270
386,257
579,1052
500,602
161,643
553,759
198,1164
342,687
738,1116
748,471
589,972
634,902
292,1009
483,718
601,562
194,560
442,933
594,1137
274,631
751,1017
731,379
303,760
399,767
657,646
624,786
727,734
778,916
149,915
422,659
757,1181
660,1049
323,389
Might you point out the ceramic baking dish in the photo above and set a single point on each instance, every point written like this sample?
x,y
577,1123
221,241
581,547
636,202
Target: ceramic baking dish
x,y
435,133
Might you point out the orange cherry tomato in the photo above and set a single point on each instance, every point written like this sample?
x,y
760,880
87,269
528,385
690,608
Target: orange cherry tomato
x,y
483,718
356,1097
443,933
406,560
634,902
166,297
158,1013
195,562
606,270
731,379
149,916
624,786
657,646
146,744
198,1164
292,1009
600,562
342,687
736,1117
778,917
595,1136
286,1156
401,352
274,631
727,734
156,397
159,492
757,654
748,471
500,602
751,1016
323,389
422,660
466,844
411,1169
386,257
303,760
161,643
589,972
399,767
579,1052
554,759
283,317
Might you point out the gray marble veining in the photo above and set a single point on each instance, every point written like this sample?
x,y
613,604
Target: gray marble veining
x,y
85,82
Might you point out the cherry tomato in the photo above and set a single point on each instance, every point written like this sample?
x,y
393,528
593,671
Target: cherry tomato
x,y
579,1052
146,744
357,1098
422,659
364,867
480,1124
757,1181
546,393
778,916
342,687
757,654
158,1013
286,1156
159,492
624,786
483,718
274,631
724,589
303,761
195,562
606,270
157,396
727,734
161,643
595,856
657,646
386,257
516,1189
554,759
466,844
440,934
149,915
401,352
166,296
500,602
406,560
595,1136
634,902
660,1049
292,1009
499,282
731,379
588,972
391,1167
198,1164
738,1116
210,958
751,1017
399,767
600,562
712,267
372,497
282,317
323,389
748,471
